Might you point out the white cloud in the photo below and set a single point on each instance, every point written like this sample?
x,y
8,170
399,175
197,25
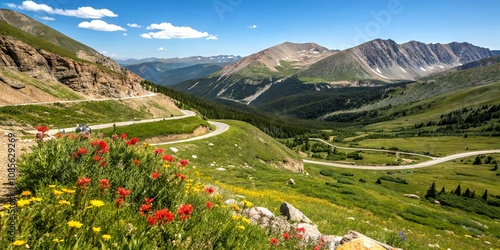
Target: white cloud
x,y
134,25
211,37
100,25
47,18
81,12
252,26
125,34
161,49
169,31
10,5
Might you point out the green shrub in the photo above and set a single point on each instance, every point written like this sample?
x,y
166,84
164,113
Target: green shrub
x,y
393,179
326,172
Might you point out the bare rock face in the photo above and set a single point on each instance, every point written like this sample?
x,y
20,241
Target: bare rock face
x,y
293,214
290,164
81,76
13,84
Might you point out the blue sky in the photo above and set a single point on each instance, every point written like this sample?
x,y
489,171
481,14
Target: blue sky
x,y
166,28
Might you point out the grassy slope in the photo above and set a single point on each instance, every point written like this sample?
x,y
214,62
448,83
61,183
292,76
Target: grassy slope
x,y
66,115
473,97
374,208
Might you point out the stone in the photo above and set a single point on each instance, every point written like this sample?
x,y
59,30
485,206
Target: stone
x,y
13,84
311,232
360,244
230,202
412,196
293,214
291,182
266,219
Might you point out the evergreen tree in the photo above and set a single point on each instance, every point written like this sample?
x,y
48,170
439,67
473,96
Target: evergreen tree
x,y
467,193
458,191
335,150
443,191
473,195
378,181
485,195
495,167
431,192
477,161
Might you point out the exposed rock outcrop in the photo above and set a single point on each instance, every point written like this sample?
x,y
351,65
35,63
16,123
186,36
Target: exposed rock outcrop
x,y
82,76
293,220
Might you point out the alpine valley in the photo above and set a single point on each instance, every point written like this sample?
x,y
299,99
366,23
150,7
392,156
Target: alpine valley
x,y
298,146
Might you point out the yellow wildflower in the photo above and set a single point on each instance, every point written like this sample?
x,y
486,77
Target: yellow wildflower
x,y
37,199
235,207
166,165
19,242
145,145
106,236
2,213
57,192
7,206
97,203
52,186
22,203
26,193
246,220
58,240
69,191
241,227
247,204
236,217
76,224
65,202
96,229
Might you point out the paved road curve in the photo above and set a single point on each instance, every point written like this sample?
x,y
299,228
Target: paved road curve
x,y
418,165
220,128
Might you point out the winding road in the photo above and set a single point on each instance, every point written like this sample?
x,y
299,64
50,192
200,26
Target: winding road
x,y
222,127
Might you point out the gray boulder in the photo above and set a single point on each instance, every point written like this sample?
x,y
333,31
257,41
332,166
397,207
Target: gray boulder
x,y
293,214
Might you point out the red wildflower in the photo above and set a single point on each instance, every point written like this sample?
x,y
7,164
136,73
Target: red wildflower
x,y
144,209
159,151
97,158
317,247
102,145
42,129
183,163
275,242
148,200
123,136
132,141
184,211
80,152
137,162
102,163
209,190
151,221
155,175
300,230
58,135
119,202
163,216
104,184
183,177
83,182
286,236
209,204
114,137
122,192
168,158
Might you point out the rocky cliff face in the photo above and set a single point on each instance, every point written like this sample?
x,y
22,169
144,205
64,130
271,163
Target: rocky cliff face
x,y
82,76
385,59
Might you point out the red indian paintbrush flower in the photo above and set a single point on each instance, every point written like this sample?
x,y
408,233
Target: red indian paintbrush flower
x,y
123,136
209,204
184,211
159,151
209,190
104,184
123,193
181,176
275,242
83,182
183,163
149,200
42,128
144,209
132,141
155,175
168,158
163,216
137,162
